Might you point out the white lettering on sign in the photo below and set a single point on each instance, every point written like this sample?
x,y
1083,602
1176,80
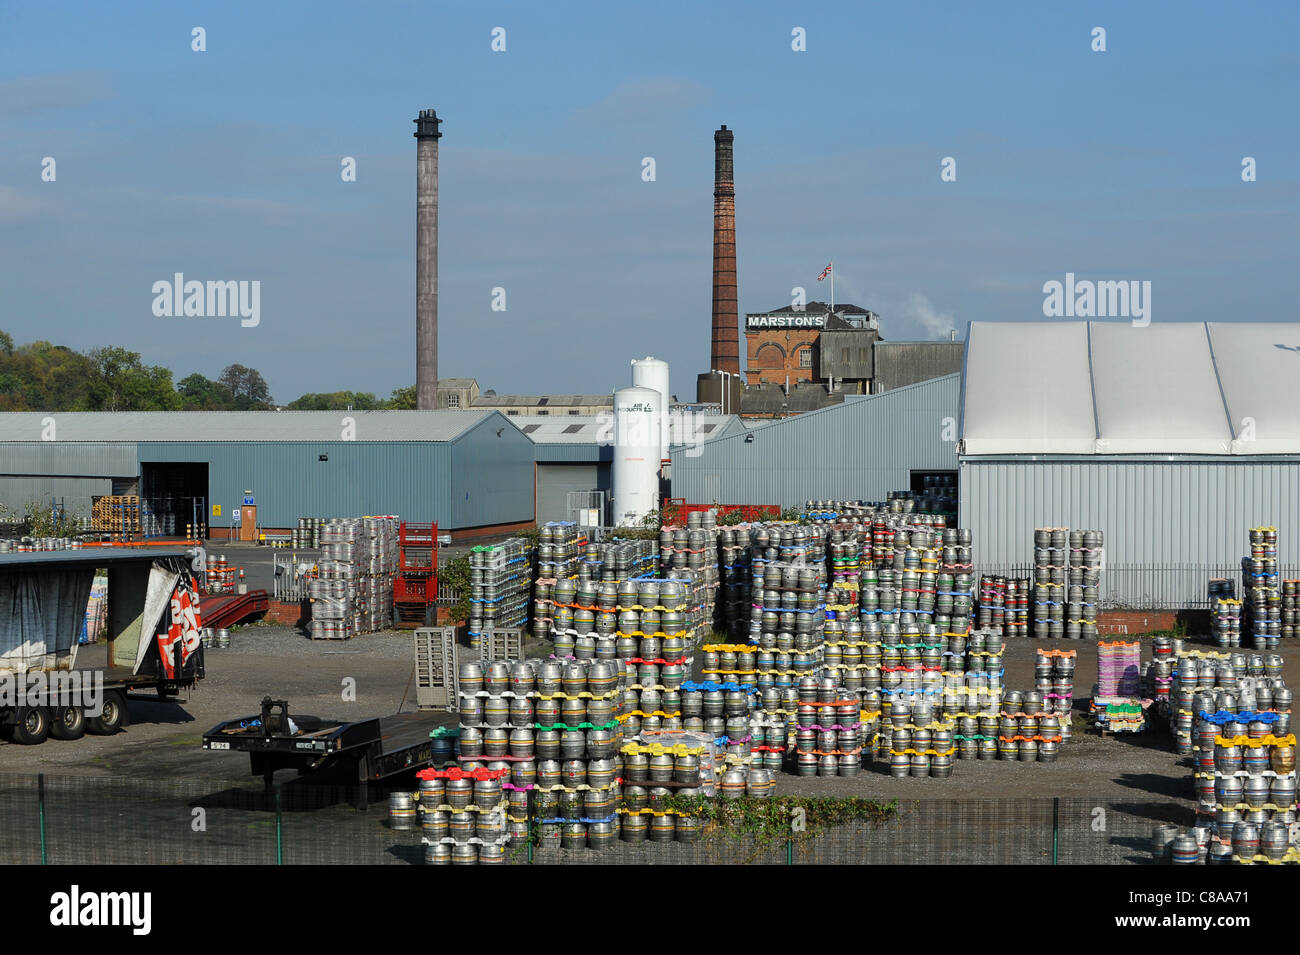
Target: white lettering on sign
x,y
785,321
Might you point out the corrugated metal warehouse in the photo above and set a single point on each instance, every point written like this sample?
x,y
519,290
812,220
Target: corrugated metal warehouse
x,y
1172,439
574,453
859,450
463,469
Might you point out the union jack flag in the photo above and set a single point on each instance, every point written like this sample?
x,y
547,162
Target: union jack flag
x,y
825,272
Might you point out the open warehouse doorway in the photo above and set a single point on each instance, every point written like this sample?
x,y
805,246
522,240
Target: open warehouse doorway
x,y
174,498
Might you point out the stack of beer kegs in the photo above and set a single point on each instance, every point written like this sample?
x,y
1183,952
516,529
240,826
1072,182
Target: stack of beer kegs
x,y
1225,619
1087,554
787,620
560,549
1054,680
654,644
576,734
1197,672
1251,787
1027,732
1290,608
972,690
828,729
734,581
920,742
501,584
463,815
1261,590
1051,567
1004,605
655,767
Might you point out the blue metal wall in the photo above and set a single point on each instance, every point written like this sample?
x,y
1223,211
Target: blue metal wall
x,y
475,480
491,475
862,449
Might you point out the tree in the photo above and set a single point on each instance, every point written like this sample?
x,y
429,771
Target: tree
x,y
122,383
248,389
336,401
403,399
199,393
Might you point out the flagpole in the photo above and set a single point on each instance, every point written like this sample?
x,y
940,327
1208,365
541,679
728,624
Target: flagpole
x,y
832,288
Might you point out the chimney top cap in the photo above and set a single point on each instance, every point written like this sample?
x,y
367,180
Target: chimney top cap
x,y
426,125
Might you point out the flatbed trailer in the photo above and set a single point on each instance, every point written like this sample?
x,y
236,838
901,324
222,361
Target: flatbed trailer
x,y
370,750
59,582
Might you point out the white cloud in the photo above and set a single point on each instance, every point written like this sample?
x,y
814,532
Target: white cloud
x,y
644,100
15,205
34,94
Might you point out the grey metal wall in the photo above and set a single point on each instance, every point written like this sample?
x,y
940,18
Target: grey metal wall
x,y
862,449
75,493
902,363
68,458
1189,511
555,481
477,480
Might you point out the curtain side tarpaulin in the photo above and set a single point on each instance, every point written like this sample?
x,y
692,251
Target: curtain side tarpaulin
x,y
41,615
157,601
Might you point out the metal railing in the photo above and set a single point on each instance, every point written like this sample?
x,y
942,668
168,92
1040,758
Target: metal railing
x,y
289,586
78,820
1150,586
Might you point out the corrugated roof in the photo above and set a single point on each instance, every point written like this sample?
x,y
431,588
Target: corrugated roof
x,y
1218,388
541,401
598,429
143,426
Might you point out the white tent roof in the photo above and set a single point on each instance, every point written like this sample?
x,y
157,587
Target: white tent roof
x,y
1112,388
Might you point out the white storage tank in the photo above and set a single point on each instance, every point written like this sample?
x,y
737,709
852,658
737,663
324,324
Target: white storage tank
x,y
652,373
637,440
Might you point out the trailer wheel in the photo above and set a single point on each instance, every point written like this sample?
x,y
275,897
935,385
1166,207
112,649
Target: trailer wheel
x,y
67,722
113,718
32,726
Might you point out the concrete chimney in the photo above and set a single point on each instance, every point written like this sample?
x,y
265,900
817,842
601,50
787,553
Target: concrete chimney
x,y
725,354
426,260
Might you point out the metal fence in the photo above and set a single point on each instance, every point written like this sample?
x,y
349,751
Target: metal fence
x,y
96,820
1151,586
164,516
291,576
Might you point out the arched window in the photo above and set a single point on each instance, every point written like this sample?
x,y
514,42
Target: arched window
x,y
769,355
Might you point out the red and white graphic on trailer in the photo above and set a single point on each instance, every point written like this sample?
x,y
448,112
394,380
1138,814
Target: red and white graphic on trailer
x,y
185,630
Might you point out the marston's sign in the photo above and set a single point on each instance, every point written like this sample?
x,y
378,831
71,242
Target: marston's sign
x,y
785,321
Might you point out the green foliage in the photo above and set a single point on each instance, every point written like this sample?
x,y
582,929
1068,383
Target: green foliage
x,y
45,377
791,514
766,822
199,393
336,401
44,521
248,389
403,399
455,573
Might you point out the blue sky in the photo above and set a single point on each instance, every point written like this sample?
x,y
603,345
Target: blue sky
x,y
225,165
